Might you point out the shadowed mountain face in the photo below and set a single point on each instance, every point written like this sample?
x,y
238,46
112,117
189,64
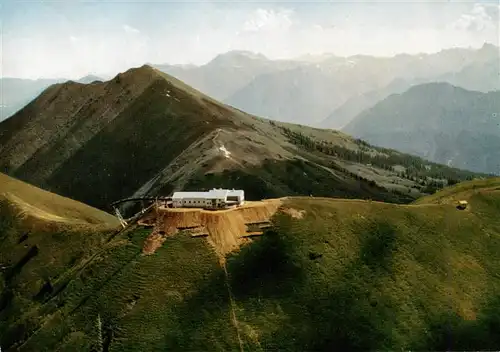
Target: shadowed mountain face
x,y
147,133
440,122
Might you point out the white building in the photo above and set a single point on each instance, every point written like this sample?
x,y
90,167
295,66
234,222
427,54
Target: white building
x,y
213,199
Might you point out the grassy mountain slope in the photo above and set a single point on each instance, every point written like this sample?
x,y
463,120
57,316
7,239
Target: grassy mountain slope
x,y
345,274
437,121
44,205
147,133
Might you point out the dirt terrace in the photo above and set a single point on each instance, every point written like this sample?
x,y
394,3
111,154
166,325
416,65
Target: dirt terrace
x,y
226,230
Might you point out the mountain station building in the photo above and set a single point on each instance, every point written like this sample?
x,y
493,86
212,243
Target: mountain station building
x,y
213,199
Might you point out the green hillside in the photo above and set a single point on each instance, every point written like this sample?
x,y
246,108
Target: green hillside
x,y
338,274
32,201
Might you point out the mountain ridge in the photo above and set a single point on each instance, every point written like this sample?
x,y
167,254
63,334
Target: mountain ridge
x,y
15,93
147,133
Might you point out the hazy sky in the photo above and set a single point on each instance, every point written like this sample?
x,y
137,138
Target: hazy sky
x,y
71,39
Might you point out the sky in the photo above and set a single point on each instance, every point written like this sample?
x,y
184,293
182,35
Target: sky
x,y
70,39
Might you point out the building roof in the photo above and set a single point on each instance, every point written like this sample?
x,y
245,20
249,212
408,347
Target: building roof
x,y
235,192
181,195
217,193
213,193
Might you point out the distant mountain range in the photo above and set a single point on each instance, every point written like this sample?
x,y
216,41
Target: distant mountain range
x,y
480,76
439,122
327,90
227,73
90,79
358,103
318,90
